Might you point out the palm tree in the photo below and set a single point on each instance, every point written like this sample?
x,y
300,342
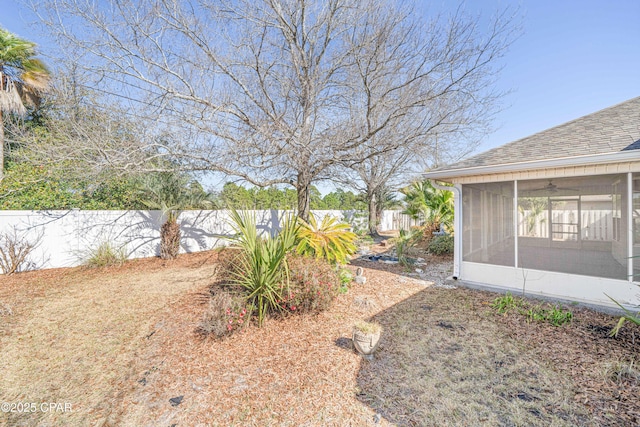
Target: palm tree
x,y
435,205
23,78
172,193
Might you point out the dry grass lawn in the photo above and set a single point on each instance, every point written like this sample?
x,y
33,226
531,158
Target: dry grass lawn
x,y
120,343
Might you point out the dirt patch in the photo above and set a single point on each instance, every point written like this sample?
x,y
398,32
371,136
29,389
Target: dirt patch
x,y
122,345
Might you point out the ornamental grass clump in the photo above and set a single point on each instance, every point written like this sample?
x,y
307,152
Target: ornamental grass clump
x,y
105,255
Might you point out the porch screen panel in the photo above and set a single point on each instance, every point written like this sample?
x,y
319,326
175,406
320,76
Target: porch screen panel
x,y
636,227
574,225
487,219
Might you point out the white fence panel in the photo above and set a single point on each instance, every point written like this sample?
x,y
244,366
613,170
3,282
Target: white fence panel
x,y
66,238
396,220
594,224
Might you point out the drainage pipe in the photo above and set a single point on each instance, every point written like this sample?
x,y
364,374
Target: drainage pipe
x,y
457,223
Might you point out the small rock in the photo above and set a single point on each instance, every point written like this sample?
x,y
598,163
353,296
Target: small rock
x,y
377,418
418,270
175,401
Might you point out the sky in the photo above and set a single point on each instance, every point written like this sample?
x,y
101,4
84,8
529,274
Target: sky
x,y
572,58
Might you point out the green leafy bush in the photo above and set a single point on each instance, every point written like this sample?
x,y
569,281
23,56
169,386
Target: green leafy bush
x,y
330,240
555,315
506,303
262,269
226,313
106,254
313,285
441,245
539,313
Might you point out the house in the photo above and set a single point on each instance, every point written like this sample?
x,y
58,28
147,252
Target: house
x,y
554,214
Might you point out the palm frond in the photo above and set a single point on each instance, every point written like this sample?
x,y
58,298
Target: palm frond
x,y
330,240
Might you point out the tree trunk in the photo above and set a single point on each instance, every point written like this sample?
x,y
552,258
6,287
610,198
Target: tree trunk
x,y
373,215
169,240
303,197
1,146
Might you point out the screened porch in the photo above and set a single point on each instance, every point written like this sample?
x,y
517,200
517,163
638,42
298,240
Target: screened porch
x,y
585,225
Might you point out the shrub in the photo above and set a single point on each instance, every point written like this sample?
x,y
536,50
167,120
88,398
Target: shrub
x,y
313,285
330,240
441,245
262,269
226,313
555,315
15,250
507,303
106,254
428,229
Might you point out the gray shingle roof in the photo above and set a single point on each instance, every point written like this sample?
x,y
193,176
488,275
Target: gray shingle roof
x,y
610,130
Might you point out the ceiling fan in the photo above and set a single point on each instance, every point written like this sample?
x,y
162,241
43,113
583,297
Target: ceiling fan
x,y
552,188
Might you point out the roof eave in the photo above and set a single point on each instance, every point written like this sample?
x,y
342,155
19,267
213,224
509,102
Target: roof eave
x,y
616,157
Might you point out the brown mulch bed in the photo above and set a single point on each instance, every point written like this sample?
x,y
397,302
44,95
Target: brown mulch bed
x,y
593,359
445,357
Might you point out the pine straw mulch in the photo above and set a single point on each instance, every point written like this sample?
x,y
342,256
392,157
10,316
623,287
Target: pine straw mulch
x,y
604,369
445,358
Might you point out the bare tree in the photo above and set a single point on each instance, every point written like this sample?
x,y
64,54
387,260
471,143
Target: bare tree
x,y
433,89
276,91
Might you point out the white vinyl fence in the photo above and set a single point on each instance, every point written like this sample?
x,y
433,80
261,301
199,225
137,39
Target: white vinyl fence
x,y
593,225
66,238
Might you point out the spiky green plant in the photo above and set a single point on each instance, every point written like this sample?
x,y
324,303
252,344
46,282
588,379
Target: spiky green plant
x,y
331,240
263,268
628,316
405,241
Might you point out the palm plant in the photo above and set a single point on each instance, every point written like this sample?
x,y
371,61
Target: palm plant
x,y
263,269
172,193
404,241
23,78
435,205
330,240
